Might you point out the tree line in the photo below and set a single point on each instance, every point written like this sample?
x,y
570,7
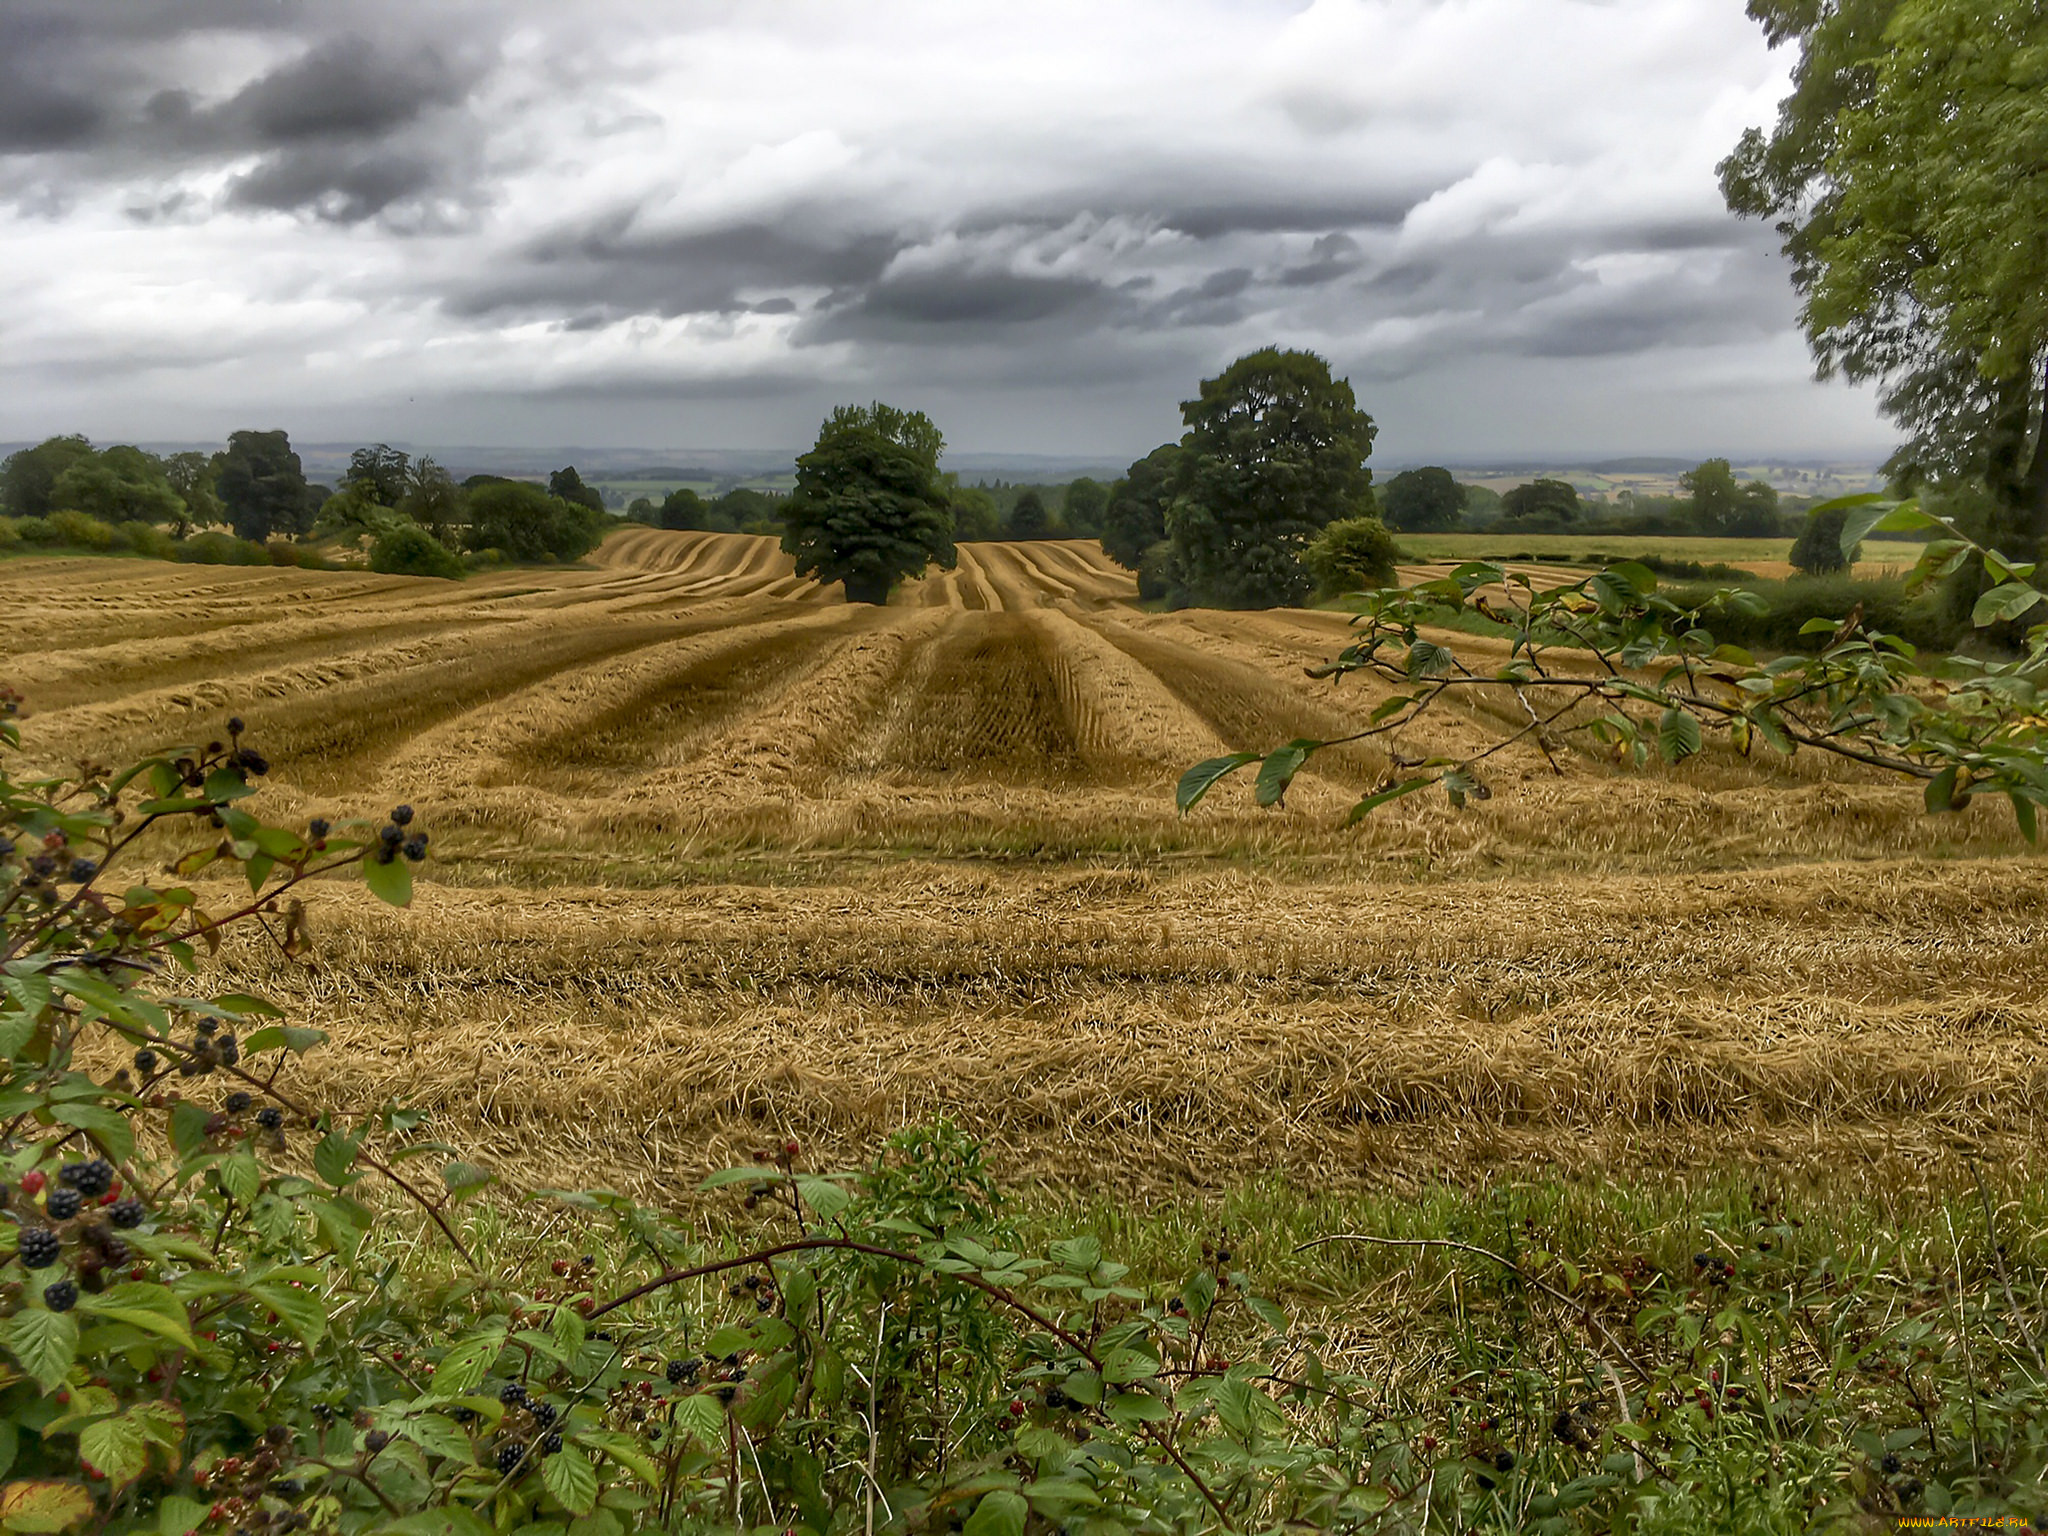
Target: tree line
x,y
251,502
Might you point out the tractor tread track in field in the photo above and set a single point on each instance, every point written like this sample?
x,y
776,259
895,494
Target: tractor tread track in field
x,y
695,675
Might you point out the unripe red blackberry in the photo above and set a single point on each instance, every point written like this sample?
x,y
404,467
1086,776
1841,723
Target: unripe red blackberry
x,y
39,1248
60,1295
33,1181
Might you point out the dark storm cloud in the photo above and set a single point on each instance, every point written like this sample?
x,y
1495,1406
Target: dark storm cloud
x,y
344,88
345,126
616,269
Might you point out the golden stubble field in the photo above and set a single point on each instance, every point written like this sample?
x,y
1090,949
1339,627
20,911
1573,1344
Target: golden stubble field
x,y
720,857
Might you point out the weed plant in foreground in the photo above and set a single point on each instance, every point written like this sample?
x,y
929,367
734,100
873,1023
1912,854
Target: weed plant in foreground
x,y
229,1304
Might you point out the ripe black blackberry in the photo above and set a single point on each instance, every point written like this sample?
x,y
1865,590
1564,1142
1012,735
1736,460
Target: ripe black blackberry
x,y
207,1026
60,1295
39,1247
401,815
510,1454
551,1442
680,1371
416,847
230,1051
238,1102
318,828
82,870
376,1440
270,1118
235,725
145,1061
91,1179
512,1394
544,1414
113,1249
63,1204
390,837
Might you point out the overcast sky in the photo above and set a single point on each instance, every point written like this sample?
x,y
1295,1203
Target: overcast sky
x,y
650,222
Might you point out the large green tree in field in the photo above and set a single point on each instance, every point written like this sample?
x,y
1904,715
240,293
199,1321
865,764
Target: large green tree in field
x,y
262,486
28,476
1424,500
1276,452
120,484
870,507
1908,175
1723,509
1135,518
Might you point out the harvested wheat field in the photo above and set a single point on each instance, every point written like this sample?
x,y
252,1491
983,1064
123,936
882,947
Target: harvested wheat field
x,y
719,856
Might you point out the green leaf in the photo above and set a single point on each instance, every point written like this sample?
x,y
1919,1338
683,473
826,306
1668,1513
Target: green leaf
x,y
1380,797
700,1417
825,1198
1000,1513
116,1448
2004,603
1129,1408
334,1157
1123,1366
46,1344
1637,575
466,1364
179,1516
108,1127
43,1507
286,1037
1201,778
188,1127
2023,813
389,882
1941,789
570,1477
1279,769
242,1176
225,784
1678,735
466,1179
141,1304
1869,512
303,1312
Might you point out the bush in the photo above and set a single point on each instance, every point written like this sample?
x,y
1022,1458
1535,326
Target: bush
x,y
215,548
80,530
37,532
148,539
1354,554
10,536
414,552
